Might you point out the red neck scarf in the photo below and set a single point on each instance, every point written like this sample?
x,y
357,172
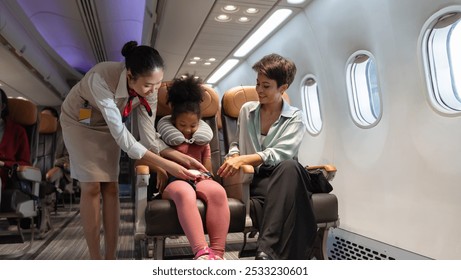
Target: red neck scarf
x,y
128,107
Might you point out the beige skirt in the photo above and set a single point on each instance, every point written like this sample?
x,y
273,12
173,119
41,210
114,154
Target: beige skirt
x,y
93,153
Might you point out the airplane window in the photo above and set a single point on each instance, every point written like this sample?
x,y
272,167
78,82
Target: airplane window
x,y
311,105
363,89
442,56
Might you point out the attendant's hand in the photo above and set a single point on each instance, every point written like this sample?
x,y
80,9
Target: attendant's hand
x,y
192,163
179,171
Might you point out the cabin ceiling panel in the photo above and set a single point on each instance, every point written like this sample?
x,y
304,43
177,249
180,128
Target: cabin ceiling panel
x,y
180,23
19,81
217,39
120,22
80,33
60,24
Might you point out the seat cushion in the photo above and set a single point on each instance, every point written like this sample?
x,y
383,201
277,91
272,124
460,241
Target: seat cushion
x,y
325,206
162,218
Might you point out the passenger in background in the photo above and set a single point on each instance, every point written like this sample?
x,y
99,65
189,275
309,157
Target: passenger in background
x,y
92,120
269,135
180,130
61,157
14,144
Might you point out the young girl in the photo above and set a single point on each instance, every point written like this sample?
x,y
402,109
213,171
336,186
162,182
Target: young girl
x,y
185,96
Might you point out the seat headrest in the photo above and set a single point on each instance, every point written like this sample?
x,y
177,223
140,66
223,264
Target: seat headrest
x,y
209,105
219,118
234,98
163,108
48,124
22,111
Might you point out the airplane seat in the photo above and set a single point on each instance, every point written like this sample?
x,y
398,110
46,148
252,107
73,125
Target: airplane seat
x,y
157,219
51,175
222,149
25,113
325,205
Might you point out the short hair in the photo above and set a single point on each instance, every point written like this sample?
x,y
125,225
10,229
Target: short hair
x,y
141,60
277,68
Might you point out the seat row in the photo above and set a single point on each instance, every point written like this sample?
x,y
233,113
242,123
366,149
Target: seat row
x,y
33,212
157,219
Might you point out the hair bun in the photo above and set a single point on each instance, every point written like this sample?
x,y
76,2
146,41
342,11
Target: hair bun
x,y
129,48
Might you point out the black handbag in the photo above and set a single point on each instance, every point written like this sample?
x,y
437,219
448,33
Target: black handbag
x,y
319,184
15,191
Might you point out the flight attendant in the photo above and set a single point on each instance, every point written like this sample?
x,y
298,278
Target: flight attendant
x,y
92,119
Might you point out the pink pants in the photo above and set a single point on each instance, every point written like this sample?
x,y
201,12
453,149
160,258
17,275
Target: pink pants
x,y
217,213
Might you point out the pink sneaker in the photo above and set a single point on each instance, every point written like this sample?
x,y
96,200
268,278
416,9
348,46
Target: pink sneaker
x,y
206,254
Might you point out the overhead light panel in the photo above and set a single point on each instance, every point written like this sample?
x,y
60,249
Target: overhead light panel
x,y
226,67
295,2
268,26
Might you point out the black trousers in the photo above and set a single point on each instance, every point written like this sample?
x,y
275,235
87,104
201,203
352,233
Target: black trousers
x,y
282,211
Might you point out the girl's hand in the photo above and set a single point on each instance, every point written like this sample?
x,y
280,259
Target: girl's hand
x,y
162,179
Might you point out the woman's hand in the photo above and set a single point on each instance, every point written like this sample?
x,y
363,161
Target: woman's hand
x,y
192,163
157,162
183,159
178,171
230,166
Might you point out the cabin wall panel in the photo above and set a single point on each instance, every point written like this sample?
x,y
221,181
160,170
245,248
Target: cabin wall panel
x,y
23,82
397,182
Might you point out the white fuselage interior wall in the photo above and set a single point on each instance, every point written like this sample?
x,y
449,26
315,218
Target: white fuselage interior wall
x,y
397,182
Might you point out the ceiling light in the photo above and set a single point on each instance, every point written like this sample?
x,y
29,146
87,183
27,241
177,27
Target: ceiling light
x,y
226,67
230,8
212,59
295,1
223,18
193,62
268,26
251,11
197,58
243,20
207,63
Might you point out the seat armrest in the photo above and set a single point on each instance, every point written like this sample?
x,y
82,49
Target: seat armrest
x,y
54,175
142,180
233,184
238,186
329,171
33,174
30,173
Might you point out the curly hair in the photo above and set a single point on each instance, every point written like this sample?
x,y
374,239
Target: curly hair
x,y
185,95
